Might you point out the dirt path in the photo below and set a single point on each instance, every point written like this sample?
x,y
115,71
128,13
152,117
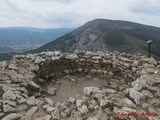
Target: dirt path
x,y
69,88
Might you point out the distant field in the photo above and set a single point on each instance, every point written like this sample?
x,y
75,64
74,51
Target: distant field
x,y
20,39
6,56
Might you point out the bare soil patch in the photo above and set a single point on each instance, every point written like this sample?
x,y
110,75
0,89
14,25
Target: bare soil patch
x,y
68,88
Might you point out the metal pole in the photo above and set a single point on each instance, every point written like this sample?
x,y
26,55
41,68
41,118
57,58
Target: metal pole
x,y
149,48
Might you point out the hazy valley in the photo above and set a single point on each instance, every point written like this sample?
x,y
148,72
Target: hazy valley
x,y
20,39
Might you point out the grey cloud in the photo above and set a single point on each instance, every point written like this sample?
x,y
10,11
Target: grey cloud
x,y
146,7
73,13
65,20
65,1
58,1
13,7
7,16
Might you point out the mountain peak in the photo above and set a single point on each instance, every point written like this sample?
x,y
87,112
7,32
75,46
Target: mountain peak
x,y
103,35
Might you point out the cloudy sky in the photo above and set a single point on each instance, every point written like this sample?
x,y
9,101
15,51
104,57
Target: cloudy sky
x,y
73,13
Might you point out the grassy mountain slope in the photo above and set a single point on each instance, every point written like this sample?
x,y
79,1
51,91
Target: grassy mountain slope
x,y
101,34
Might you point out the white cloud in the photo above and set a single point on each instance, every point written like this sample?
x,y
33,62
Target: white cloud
x,y
151,7
72,13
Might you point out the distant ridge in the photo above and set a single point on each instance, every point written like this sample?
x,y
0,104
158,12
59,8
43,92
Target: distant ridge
x,y
19,39
102,34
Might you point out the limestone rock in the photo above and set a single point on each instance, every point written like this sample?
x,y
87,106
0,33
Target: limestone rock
x,y
110,91
137,86
33,88
9,95
22,100
83,109
3,65
12,66
55,58
57,53
49,101
147,93
129,103
155,102
32,101
22,107
72,56
78,103
92,104
49,109
8,108
63,115
51,91
56,115
11,103
31,112
137,96
50,53
136,63
110,73
2,115
128,109
48,117
39,60
71,100
97,58
104,102
93,118
93,71
124,59
89,90
12,116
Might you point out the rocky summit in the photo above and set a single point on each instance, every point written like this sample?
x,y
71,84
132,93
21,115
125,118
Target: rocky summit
x,y
80,86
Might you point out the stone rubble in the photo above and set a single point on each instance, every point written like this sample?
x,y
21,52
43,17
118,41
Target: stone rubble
x,y
21,98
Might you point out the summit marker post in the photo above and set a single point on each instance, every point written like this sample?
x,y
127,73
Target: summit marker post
x,y
149,42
